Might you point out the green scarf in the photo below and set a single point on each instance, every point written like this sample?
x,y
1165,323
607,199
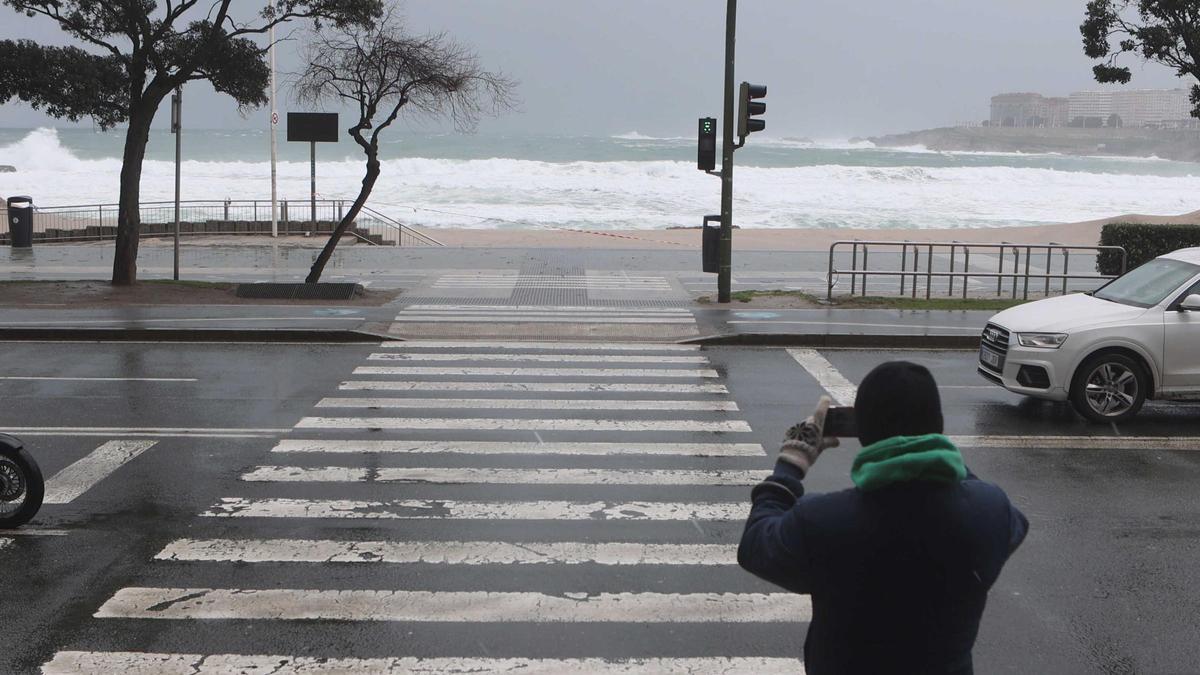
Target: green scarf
x,y
904,458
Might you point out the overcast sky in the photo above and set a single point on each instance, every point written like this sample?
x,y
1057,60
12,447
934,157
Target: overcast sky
x,y
834,69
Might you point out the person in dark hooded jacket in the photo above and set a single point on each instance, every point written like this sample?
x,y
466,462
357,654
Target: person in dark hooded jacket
x,y
898,567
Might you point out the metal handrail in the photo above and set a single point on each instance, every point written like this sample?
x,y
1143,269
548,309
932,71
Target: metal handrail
x,y
910,277
222,216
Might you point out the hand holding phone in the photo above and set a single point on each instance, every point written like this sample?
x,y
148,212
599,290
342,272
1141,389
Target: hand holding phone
x,y
840,423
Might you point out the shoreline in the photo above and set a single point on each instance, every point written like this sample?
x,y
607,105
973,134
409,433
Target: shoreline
x,y
1086,233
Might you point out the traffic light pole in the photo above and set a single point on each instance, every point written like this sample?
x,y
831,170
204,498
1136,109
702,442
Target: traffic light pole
x,y
725,266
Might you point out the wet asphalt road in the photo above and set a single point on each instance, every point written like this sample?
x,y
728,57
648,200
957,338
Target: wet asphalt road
x,y
1104,583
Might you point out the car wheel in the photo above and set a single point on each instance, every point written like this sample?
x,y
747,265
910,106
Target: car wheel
x,y
1109,388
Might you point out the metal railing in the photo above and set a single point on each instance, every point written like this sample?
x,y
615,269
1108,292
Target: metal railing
x,y
222,217
1019,273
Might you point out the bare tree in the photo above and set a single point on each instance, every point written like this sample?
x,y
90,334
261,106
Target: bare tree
x,y
381,71
140,52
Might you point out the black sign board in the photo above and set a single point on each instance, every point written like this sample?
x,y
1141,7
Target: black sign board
x,y
312,127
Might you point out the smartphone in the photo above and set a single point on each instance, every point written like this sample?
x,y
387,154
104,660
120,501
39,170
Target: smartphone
x,y
841,423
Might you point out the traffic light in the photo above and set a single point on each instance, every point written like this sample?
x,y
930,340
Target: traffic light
x,y
706,153
749,108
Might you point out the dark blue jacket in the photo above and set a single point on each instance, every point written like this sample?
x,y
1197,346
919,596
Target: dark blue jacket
x,y
898,576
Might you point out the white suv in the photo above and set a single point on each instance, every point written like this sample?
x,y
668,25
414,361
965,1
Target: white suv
x,y
1106,352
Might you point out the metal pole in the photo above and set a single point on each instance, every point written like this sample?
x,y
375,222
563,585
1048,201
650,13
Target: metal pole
x,y
312,165
854,271
177,129
929,273
274,123
725,250
966,270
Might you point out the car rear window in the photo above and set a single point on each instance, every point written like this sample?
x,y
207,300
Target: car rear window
x,y
1149,284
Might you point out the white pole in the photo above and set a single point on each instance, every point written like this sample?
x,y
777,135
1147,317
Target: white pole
x,y
274,123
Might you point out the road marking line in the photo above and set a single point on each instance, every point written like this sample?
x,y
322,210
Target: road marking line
x,y
445,606
583,346
525,404
538,372
841,390
871,325
560,387
527,318
541,358
102,379
520,448
520,424
461,476
447,552
78,478
448,509
76,322
1080,442
81,663
554,308
122,431
595,311
34,532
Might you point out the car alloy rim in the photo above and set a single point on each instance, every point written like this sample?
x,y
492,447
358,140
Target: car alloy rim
x,y
12,486
1111,389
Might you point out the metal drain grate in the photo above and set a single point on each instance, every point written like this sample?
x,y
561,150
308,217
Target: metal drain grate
x,y
280,291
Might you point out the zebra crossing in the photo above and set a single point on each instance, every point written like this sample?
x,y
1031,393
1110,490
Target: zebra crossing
x,y
514,279
550,518
538,322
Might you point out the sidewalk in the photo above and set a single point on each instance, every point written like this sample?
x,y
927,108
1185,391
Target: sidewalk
x,y
500,285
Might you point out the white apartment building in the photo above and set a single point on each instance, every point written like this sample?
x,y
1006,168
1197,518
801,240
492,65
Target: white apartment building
x,y
1136,108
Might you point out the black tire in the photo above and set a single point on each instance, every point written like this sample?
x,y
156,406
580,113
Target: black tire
x,y
1109,388
21,488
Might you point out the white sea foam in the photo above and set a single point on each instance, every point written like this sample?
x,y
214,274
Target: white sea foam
x,y
491,193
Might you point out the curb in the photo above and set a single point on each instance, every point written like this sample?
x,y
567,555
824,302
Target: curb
x,y
838,341
237,335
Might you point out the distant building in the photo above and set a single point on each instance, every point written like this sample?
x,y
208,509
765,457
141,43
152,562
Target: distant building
x,y
1058,111
1016,110
1028,109
1130,108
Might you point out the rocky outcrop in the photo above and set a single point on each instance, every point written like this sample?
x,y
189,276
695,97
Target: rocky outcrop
x,y
1177,144
6,168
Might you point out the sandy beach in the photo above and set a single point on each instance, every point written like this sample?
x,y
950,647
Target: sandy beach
x,y
761,239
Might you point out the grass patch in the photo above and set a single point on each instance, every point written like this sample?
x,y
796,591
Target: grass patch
x,y
879,302
873,302
185,283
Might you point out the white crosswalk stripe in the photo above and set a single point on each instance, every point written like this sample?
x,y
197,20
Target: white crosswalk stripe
x,y
538,372
142,663
425,345
527,317
524,404
318,446
539,358
449,606
519,424
543,387
447,509
456,476
473,445
448,552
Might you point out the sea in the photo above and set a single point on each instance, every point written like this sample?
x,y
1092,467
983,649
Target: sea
x,y
622,181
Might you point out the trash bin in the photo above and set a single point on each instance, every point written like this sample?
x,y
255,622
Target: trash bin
x,y
20,221
711,244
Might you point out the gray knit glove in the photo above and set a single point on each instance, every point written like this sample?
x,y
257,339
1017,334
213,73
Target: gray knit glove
x,y
805,441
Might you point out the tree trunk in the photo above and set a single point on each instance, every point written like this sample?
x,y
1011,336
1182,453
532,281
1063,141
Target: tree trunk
x,y
129,220
368,184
